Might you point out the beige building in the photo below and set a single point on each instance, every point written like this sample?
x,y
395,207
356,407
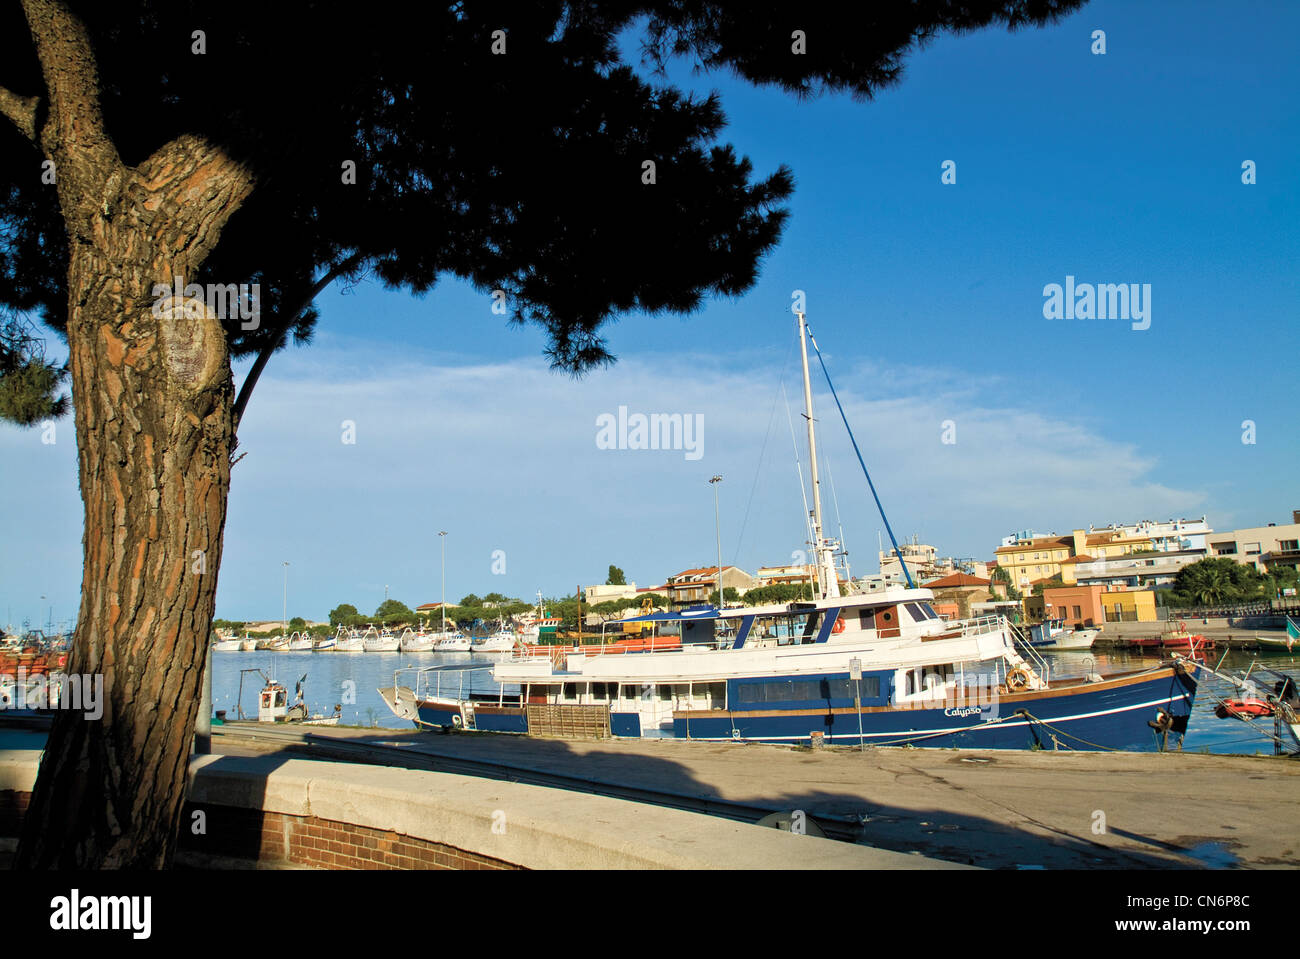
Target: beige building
x,y
1260,546
692,586
1030,559
786,575
606,593
961,590
924,563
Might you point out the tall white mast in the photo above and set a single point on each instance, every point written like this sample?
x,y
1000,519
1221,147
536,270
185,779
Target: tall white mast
x,y
823,549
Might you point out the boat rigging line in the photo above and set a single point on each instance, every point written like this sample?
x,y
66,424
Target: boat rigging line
x,y
889,529
758,470
798,468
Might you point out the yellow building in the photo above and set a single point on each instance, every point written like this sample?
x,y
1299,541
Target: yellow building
x,y
1129,606
1042,557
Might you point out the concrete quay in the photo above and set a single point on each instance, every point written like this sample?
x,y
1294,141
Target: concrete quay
x,y
1223,632
997,809
276,811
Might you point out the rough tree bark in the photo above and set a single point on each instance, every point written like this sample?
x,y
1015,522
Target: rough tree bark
x,y
152,397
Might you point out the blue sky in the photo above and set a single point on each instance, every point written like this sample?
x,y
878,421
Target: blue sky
x,y
927,298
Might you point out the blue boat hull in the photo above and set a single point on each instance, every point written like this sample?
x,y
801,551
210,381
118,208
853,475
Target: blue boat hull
x,y
1114,715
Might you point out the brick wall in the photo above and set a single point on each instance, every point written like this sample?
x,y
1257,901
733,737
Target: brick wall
x,y
252,834
256,836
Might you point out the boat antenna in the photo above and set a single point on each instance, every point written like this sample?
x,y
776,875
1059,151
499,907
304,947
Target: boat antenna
x,y
889,529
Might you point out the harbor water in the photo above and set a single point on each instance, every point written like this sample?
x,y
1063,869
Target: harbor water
x,y
352,680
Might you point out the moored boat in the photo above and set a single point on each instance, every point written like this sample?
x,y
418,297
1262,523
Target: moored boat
x,y
416,642
452,642
349,641
503,640
1071,639
851,668
376,642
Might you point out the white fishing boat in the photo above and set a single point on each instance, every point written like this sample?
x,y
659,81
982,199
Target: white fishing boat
x,y
248,644
273,704
416,642
503,640
274,643
349,641
452,642
325,644
852,668
377,642
496,643
227,645
1070,639
301,642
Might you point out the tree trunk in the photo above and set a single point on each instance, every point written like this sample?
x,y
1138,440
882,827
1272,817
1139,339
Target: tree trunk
x,y
153,420
153,400
151,390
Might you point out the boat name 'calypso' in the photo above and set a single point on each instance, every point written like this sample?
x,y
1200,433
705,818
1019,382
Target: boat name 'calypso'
x,y
657,431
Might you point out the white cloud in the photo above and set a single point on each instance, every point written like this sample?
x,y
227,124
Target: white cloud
x,y
504,456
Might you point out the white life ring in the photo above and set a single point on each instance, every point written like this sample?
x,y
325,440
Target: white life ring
x,y
457,721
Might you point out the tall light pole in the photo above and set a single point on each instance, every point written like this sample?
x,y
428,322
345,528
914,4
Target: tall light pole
x,y
284,613
442,604
718,529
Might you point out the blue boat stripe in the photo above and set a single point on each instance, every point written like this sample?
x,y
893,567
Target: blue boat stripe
x,y
977,727
828,622
746,623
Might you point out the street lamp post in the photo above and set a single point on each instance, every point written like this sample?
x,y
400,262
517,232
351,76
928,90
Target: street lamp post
x,y
718,529
442,603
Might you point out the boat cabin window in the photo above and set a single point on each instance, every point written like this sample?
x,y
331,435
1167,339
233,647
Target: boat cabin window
x,y
786,629
920,612
806,690
867,618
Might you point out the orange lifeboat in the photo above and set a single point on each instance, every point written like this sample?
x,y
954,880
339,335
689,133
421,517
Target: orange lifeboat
x,y
1243,709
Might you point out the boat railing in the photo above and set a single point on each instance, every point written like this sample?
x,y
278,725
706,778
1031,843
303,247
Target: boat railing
x,y
982,625
1020,644
437,681
526,653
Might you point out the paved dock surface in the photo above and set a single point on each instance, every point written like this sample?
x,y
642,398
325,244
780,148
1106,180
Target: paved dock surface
x,y
997,809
